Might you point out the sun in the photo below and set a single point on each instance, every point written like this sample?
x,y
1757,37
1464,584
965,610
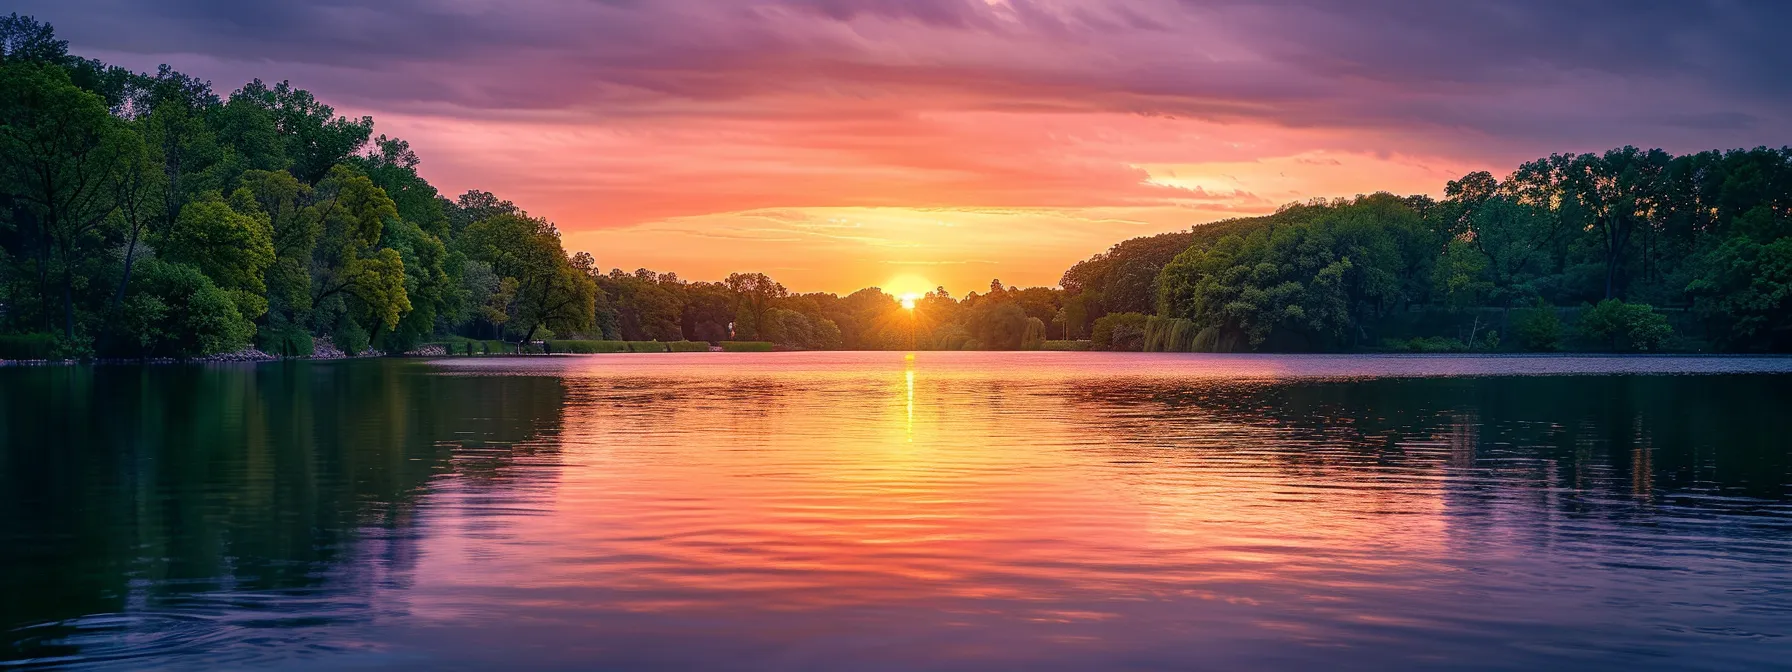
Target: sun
x,y
908,284
908,301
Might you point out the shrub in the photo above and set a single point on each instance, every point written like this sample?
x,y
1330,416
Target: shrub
x,y
646,346
175,311
746,346
1119,331
27,346
1435,344
350,338
1537,328
950,336
286,341
589,347
1065,346
1625,327
688,346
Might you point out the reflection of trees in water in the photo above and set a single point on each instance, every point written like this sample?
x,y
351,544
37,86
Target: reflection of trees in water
x,y
1643,436
131,489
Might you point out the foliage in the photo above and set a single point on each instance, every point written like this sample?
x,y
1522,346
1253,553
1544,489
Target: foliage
x,y
1066,346
1538,328
27,346
1170,334
1625,327
1428,345
119,188
647,346
1119,331
747,346
998,325
588,347
1305,279
174,310
1744,289
688,346
1033,338
286,341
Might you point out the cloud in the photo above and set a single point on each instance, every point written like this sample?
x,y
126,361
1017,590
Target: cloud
x,y
606,114
1525,70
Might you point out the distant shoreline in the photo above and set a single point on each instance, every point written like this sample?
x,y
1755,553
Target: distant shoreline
x,y
242,358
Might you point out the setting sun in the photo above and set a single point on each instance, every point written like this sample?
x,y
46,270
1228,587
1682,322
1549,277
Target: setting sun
x,y
908,285
908,301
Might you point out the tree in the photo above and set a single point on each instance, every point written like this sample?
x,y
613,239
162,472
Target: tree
x,y
1744,289
23,38
61,152
549,291
315,140
352,277
174,310
231,248
1312,276
755,293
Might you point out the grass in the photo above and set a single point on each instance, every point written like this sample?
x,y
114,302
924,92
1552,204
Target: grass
x,y
1066,346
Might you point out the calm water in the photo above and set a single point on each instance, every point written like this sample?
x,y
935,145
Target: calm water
x,y
866,511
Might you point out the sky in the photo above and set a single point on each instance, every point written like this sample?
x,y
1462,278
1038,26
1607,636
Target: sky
x,y
838,144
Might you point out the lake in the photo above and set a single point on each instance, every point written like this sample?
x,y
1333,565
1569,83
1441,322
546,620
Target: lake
x,y
871,511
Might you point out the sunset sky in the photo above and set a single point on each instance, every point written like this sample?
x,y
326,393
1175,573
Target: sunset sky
x,y
836,144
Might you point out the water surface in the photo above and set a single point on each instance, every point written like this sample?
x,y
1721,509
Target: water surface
x,y
873,511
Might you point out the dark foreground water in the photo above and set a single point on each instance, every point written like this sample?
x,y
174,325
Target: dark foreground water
x,y
866,511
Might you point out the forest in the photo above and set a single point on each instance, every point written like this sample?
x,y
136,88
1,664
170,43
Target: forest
x,y
148,215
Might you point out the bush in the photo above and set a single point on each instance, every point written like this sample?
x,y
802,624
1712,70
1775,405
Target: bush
x,y
589,347
950,337
27,346
1538,328
746,346
286,341
1065,346
350,338
688,346
173,310
647,346
1426,344
1119,331
1625,327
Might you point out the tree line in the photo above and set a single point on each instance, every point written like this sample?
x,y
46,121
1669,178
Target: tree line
x,y
147,215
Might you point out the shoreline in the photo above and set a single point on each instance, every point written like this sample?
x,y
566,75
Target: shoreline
x,y
258,357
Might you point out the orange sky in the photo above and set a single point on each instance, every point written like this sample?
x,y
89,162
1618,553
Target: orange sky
x,y
948,198
837,144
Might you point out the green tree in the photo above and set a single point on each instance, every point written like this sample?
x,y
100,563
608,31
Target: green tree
x,y
549,291
1744,289
352,277
61,152
313,138
174,310
232,248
